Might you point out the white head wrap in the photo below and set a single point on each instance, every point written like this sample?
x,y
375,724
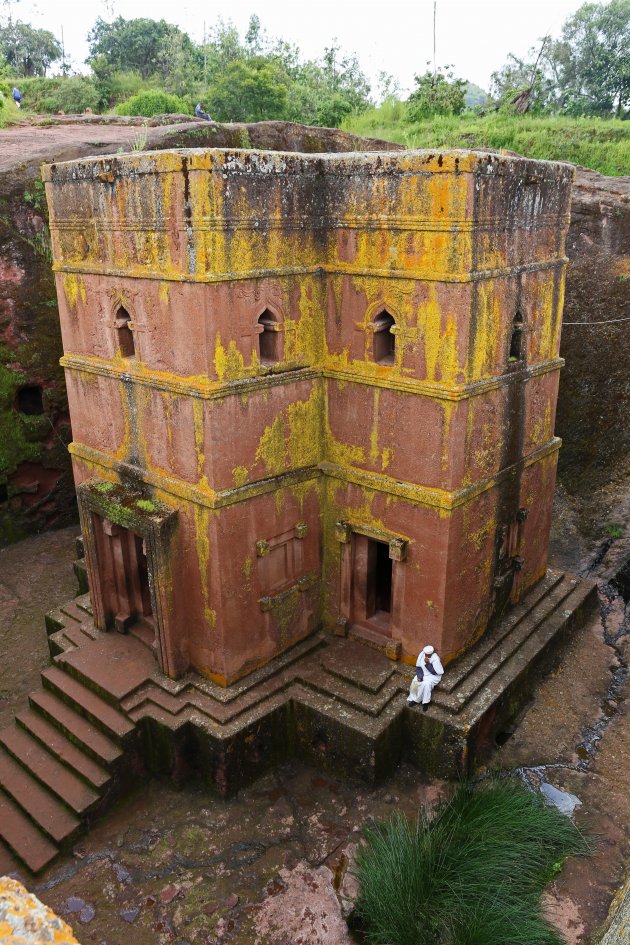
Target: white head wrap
x,y
428,650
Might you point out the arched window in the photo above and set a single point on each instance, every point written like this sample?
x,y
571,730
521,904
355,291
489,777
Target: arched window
x,y
384,343
516,341
268,338
126,344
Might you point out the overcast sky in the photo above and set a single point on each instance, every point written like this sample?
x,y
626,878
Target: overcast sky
x,y
474,35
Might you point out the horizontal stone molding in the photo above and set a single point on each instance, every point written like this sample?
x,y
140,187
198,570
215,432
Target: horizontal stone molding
x,y
289,224
398,544
209,389
377,482
281,272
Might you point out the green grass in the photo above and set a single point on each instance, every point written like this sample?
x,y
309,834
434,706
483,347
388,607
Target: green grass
x,y
601,144
471,875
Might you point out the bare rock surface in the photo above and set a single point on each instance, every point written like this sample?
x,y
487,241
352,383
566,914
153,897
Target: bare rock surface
x,y
35,576
64,138
305,911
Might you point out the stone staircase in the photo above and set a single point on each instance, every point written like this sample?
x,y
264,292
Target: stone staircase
x,y
65,756
485,689
58,763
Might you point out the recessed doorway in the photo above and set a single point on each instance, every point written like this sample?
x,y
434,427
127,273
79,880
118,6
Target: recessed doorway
x,y
124,579
372,584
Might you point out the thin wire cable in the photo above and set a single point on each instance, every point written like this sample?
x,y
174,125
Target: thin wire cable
x,y
609,321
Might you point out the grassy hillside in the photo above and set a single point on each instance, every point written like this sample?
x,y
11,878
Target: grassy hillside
x,y
603,145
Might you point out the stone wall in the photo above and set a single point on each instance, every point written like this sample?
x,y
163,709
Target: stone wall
x,y
36,490
593,416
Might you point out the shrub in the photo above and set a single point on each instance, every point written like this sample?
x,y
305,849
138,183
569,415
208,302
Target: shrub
x,y
124,85
471,875
69,94
153,102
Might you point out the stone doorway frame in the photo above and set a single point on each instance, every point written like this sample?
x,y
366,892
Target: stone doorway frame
x,y
398,547
153,521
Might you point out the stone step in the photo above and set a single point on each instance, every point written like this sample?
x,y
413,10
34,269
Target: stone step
x,y
467,663
47,813
80,572
150,693
64,750
66,687
321,681
9,863
89,738
491,662
54,621
59,643
51,774
77,634
532,648
72,610
84,603
23,838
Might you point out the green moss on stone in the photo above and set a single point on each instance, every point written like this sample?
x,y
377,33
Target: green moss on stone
x,y
147,505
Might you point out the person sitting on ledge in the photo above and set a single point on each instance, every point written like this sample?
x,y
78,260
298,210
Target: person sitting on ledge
x,y
199,112
429,671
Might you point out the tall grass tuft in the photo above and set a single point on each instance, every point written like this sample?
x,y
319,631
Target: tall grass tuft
x,y
472,874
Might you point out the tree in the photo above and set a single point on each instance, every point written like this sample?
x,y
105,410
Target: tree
x,y
586,71
324,91
534,77
29,51
593,59
139,45
248,90
436,93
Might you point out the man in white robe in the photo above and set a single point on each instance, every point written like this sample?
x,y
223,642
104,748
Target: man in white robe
x,y
429,671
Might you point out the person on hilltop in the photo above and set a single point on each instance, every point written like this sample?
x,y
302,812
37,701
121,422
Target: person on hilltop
x,y
199,112
429,672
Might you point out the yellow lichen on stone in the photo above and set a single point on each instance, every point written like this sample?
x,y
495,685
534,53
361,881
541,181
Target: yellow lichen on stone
x,y
202,526
272,447
439,335
199,431
24,920
70,282
487,331
543,305
240,474
304,422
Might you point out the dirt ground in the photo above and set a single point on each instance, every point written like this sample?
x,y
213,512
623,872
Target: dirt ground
x,y
35,576
174,866
60,142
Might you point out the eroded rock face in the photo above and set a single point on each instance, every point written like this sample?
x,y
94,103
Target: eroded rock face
x,y
36,490
593,416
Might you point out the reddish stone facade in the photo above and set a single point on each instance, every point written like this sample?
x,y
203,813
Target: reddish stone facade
x,y
310,392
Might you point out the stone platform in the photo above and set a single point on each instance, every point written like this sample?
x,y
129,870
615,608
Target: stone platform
x,y
106,714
